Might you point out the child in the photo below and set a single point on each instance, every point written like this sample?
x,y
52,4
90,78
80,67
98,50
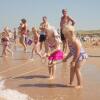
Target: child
x,y
78,53
5,44
23,31
35,41
53,51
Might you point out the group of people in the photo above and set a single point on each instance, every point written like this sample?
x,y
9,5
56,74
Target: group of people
x,y
49,36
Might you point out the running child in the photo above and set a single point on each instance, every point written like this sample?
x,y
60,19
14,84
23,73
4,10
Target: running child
x,y
35,41
5,43
23,32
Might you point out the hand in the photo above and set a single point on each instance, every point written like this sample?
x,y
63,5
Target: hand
x,y
73,63
65,59
46,55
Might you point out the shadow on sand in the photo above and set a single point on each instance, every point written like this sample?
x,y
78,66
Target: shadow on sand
x,y
21,59
46,85
31,77
94,56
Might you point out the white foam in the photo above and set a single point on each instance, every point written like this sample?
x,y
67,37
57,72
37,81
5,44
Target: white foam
x,y
9,94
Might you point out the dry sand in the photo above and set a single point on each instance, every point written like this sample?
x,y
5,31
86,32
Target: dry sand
x,y
24,79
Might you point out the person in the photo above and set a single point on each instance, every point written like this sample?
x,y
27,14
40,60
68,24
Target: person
x,y
15,36
42,32
53,51
65,19
77,52
23,32
5,43
35,41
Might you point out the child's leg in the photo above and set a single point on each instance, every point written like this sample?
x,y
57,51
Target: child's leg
x,y
36,50
9,50
32,51
72,74
51,66
78,73
53,69
4,51
23,42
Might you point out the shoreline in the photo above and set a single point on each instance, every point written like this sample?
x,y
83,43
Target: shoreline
x,y
36,85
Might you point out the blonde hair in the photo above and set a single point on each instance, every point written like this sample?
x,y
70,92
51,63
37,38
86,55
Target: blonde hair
x,y
69,30
34,29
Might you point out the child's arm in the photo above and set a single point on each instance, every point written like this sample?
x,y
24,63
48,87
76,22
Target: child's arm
x,y
46,49
68,56
57,47
77,46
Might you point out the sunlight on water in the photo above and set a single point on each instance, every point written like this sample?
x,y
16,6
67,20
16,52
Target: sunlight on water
x,y
9,94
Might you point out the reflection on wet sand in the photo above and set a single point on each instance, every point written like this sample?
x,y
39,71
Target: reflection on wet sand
x,y
29,79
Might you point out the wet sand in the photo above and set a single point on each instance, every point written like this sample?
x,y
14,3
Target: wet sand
x,y
30,78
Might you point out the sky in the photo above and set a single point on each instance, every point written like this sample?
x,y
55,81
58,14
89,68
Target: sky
x,y
86,13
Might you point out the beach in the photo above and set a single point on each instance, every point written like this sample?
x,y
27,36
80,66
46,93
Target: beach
x,y
24,79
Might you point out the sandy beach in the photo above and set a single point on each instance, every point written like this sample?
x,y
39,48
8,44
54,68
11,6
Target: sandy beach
x,y
42,50
25,79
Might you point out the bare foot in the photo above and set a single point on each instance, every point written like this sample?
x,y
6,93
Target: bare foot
x,y
71,85
51,77
78,87
31,59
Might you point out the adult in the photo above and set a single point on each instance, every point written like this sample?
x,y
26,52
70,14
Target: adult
x,y
65,19
42,32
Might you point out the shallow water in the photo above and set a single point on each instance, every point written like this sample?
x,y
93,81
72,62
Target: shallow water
x,y
28,79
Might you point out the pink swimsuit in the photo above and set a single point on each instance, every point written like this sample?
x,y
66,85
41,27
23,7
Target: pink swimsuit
x,y
57,55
